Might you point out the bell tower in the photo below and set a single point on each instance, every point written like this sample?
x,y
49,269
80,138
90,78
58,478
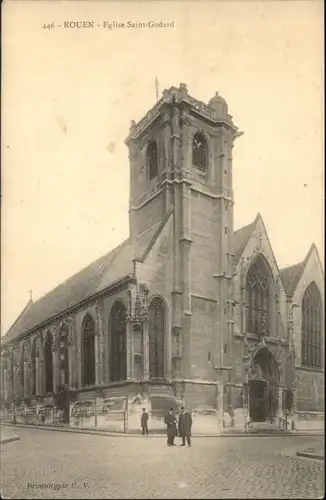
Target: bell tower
x,y
181,163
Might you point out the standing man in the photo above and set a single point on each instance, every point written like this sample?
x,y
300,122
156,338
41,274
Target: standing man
x,y
184,426
144,422
171,427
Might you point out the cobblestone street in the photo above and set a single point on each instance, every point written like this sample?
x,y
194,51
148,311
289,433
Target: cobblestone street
x,y
86,466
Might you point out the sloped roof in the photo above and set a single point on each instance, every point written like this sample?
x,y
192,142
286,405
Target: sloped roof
x,y
94,278
241,238
290,277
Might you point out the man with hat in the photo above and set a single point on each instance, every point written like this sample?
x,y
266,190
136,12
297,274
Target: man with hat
x,y
184,426
171,427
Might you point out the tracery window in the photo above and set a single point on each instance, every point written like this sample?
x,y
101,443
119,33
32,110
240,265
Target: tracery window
x,y
33,363
118,342
311,327
88,347
48,361
156,338
258,298
64,356
200,152
152,160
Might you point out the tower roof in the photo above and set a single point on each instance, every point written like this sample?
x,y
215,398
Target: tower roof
x,y
219,104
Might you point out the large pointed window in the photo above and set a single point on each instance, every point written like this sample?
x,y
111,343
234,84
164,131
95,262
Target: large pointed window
x,y
48,362
152,160
311,348
118,343
199,152
33,363
258,297
63,356
156,338
88,346
22,369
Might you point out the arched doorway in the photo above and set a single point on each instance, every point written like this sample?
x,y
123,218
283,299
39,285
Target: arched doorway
x,y
263,382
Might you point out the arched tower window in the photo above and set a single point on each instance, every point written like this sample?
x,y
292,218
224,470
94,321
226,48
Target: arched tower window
x,y
88,346
64,356
118,343
33,363
258,297
200,152
156,338
152,160
48,361
311,327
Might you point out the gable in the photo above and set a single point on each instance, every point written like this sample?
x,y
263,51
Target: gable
x,y
240,239
258,243
312,271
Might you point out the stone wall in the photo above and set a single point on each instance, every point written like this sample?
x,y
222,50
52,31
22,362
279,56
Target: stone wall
x,y
204,249
309,389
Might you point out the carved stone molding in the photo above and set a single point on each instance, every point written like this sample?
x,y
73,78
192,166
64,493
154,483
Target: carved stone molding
x,y
54,339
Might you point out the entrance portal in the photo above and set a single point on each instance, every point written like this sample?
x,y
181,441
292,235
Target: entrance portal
x,y
263,384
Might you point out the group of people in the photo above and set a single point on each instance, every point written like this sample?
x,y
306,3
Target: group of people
x,y
174,426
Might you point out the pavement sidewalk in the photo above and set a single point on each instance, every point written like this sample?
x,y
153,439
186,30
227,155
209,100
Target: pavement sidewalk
x,y
6,436
226,433
316,452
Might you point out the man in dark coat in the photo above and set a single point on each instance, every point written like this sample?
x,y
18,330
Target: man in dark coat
x,y
184,426
171,427
144,422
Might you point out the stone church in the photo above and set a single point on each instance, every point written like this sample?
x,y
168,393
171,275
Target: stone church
x,y
185,311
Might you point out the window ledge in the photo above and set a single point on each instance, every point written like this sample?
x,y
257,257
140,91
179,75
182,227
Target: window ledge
x,y
309,369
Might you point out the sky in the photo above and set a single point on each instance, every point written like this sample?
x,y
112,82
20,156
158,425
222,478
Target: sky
x,y
69,96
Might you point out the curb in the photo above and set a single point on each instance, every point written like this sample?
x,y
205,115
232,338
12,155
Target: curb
x,y
9,439
162,435
314,456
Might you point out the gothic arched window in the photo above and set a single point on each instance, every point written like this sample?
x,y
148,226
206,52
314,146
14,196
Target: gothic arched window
x,y
118,343
156,315
33,363
88,358
200,152
152,160
64,356
48,361
22,369
311,327
258,298
11,375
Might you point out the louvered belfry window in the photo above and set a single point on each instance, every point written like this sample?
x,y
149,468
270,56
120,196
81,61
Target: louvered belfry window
x,y
311,328
152,160
156,338
199,152
118,343
88,367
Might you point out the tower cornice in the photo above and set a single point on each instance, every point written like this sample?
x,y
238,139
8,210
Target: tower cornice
x,y
180,97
